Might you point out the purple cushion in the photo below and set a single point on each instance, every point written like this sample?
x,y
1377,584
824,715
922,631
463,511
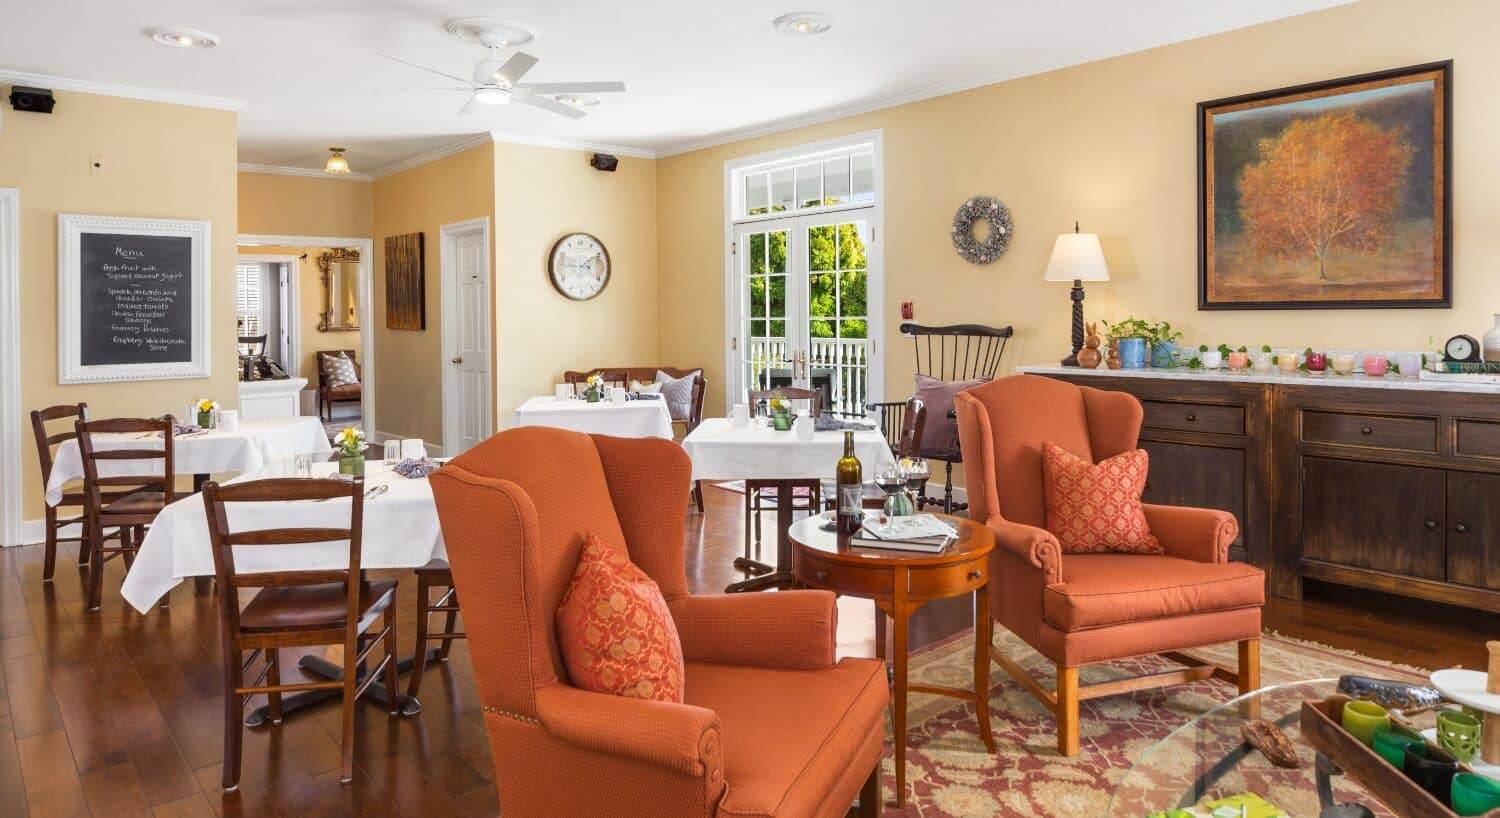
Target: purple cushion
x,y
940,432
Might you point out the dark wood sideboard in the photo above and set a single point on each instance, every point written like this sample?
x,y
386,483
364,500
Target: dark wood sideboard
x,y
1395,489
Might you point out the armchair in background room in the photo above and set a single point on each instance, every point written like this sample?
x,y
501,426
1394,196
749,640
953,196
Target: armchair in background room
x,y
1081,609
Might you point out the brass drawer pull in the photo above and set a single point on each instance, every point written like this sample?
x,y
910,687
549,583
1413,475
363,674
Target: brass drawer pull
x,y
974,575
821,576
1191,417
1365,430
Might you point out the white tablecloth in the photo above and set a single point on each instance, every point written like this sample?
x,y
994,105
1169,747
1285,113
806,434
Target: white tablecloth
x,y
253,445
635,418
720,451
400,531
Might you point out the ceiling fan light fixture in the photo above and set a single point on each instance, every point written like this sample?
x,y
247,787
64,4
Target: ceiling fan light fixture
x,y
578,100
803,23
491,95
179,37
336,162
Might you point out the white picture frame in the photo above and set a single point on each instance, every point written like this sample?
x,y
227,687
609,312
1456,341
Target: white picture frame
x,y
71,228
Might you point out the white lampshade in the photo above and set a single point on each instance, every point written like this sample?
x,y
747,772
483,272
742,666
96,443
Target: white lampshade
x,y
1077,257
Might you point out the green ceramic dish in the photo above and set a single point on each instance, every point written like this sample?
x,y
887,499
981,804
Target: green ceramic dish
x,y
1475,794
1390,742
1361,718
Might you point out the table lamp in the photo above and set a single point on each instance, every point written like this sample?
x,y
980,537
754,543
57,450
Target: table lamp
x,y
1077,257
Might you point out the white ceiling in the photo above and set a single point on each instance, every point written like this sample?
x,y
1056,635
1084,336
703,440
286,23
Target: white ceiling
x,y
699,71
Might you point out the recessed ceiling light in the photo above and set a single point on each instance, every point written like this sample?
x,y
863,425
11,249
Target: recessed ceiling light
x,y
803,22
336,162
578,100
178,37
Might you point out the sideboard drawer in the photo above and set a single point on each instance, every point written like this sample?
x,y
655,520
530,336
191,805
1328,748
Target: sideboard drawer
x,y
1371,431
1478,438
1194,417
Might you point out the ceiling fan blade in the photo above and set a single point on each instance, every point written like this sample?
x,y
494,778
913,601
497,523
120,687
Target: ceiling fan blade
x,y
467,84
431,88
469,107
548,104
571,87
515,67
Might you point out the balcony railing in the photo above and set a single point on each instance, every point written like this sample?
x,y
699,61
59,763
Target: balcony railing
x,y
838,365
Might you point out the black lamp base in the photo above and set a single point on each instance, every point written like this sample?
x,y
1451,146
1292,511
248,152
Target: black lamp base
x,y
1077,296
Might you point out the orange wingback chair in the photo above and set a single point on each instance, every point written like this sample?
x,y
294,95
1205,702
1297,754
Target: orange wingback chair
x,y
1082,609
772,724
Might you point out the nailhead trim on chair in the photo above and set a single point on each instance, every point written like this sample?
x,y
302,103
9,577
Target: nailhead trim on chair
x,y
506,713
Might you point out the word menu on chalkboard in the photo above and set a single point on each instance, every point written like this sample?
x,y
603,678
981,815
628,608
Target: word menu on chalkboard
x,y
135,298
132,298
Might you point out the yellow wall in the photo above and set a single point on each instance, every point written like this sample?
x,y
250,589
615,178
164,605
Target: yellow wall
x,y
408,363
281,205
542,194
1111,144
160,161
310,306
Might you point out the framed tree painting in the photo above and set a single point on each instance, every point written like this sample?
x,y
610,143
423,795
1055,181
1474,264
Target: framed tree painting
x,y
1329,195
405,282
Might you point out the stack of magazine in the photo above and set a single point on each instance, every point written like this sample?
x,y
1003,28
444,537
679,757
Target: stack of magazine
x,y
917,532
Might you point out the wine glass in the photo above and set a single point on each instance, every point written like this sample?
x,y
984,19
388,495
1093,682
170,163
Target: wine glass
x,y
891,479
917,472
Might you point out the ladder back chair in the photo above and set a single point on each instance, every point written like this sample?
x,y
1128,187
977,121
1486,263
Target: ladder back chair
x,y
758,491
435,574
901,422
611,377
297,608
956,352
46,450
124,487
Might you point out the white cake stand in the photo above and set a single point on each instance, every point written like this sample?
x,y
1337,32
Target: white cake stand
x,y
1467,687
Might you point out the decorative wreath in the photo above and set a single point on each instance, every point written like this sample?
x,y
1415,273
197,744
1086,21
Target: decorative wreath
x,y
994,245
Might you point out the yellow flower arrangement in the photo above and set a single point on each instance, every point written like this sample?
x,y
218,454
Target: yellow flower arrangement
x,y
350,440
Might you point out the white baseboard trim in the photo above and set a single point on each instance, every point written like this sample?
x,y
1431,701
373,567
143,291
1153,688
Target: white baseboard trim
x,y
433,449
35,531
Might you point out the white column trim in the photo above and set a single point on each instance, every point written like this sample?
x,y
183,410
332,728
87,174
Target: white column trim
x,y
10,367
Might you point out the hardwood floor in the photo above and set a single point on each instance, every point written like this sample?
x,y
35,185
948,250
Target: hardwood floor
x,y
118,714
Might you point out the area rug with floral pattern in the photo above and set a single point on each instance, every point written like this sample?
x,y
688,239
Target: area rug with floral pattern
x,y
950,774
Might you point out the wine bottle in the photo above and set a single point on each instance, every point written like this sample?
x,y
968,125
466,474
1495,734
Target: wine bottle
x,y
850,483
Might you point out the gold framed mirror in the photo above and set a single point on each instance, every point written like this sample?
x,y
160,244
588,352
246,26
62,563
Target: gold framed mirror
x,y
339,271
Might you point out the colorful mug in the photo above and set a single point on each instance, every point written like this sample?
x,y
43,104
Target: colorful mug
x,y
1474,794
1361,717
1287,361
1343,364
1432,769
1317,362
1458,733
1239,360
1376,365
1391,741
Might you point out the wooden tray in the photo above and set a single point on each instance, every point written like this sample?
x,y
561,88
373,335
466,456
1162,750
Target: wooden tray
x,y
1322,728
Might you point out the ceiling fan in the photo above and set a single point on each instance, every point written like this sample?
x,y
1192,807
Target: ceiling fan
x,y
496,80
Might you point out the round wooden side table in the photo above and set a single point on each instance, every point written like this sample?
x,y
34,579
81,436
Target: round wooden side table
x,y
900,582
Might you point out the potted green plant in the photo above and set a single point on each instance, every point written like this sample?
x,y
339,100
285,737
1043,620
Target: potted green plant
x,y
1163,343
351,447
1211,358
1131,335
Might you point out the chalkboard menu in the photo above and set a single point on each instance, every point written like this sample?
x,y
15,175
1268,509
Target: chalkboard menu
x,y
135,299
132,298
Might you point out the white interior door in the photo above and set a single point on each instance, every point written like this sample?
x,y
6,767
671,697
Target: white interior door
x,y
466,336
803,300
287,315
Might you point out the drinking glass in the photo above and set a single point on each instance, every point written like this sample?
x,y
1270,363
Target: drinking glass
x,y
392,452
302,464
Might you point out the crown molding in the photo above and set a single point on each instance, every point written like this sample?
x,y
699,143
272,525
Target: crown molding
x,y
110,89
1269,13
311,173
508,138
432,156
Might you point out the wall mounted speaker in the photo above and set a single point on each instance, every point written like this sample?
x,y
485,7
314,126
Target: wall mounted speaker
x,y
604,162
35,100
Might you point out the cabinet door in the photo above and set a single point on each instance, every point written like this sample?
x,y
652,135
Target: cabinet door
x,y
1474,529
1374,515
1184,474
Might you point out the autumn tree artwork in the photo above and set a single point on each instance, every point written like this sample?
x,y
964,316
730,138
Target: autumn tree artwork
x,y
1333,195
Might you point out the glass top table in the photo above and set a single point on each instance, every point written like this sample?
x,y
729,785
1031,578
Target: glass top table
x,y
1207,760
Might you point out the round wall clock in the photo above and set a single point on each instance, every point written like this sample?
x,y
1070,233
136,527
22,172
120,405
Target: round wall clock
x,y
578,266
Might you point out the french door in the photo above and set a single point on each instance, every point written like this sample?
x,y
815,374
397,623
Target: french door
x,y
802,307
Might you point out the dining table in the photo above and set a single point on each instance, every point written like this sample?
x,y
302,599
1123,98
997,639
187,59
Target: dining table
x,y
642,417
401,531
202,452
721,449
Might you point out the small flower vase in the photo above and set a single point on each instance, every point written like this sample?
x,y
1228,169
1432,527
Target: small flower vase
x,y
1132,353
782,421
1161,354
352,465
591,394
206,420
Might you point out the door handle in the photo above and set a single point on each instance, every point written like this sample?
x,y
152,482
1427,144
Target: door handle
x,y
458,360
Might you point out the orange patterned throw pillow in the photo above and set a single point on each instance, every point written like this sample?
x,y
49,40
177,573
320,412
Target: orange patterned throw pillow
x,y
614,629
1096,508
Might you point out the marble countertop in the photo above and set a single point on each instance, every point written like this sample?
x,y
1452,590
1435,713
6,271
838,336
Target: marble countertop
x,y
1358,381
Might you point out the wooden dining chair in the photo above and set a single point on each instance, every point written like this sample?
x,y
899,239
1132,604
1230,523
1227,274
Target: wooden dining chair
x,y
434,575
903,431
762,495
46,450
297,608
128,501
611,377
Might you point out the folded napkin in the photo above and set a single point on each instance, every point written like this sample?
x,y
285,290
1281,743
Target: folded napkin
x,y
830,423
643,396
416,469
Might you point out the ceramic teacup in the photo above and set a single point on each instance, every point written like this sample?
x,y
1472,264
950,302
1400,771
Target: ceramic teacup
x,y
1458,733
1474,794
1391,741
1361,718
1432,769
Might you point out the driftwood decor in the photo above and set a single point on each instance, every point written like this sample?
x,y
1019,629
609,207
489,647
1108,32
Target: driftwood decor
x,y
405,282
